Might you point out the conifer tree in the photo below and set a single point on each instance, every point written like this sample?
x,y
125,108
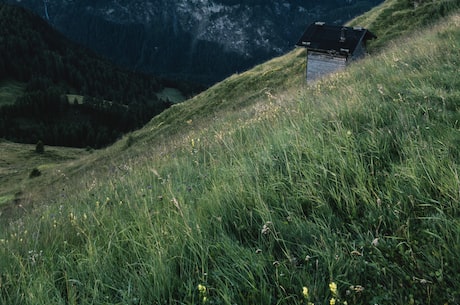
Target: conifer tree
x,y
40,147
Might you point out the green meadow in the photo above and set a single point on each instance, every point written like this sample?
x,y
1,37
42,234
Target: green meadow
x,y
9,91
17,161
262,190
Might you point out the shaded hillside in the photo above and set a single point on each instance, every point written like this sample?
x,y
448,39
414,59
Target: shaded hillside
x,y
204,41
262,190
50,67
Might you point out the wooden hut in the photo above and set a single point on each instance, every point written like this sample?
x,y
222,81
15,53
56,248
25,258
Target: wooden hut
x,y
331,47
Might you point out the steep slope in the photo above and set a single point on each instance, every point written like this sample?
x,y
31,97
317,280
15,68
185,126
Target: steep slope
x,y
50,68
203,41
397,18
342,192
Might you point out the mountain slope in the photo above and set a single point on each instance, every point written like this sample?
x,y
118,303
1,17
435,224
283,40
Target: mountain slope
x,y
345,191
204,41
50,68
397,18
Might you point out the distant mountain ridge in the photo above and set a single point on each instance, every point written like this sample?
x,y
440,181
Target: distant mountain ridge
x,y
202,40
68,95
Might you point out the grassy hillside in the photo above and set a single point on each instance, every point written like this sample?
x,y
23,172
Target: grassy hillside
x,y
17,161
396,18
261,190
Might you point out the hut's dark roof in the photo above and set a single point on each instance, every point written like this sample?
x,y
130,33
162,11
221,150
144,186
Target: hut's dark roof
x,y
333,38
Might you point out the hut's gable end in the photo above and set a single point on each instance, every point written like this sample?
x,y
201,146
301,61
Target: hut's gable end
x,y
359,52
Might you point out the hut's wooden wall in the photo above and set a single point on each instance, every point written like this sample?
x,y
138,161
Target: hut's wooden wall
x,y
321,64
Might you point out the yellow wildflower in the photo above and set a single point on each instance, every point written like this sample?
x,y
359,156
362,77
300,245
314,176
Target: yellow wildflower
x,y
201,288
332,301
305,292
333,288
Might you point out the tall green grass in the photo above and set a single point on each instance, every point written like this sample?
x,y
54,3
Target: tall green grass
x,y
353,181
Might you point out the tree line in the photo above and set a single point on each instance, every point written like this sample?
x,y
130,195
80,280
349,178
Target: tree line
x,y
115,100
49,116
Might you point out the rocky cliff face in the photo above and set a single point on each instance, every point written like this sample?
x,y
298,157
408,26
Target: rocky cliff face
x,y
201,40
